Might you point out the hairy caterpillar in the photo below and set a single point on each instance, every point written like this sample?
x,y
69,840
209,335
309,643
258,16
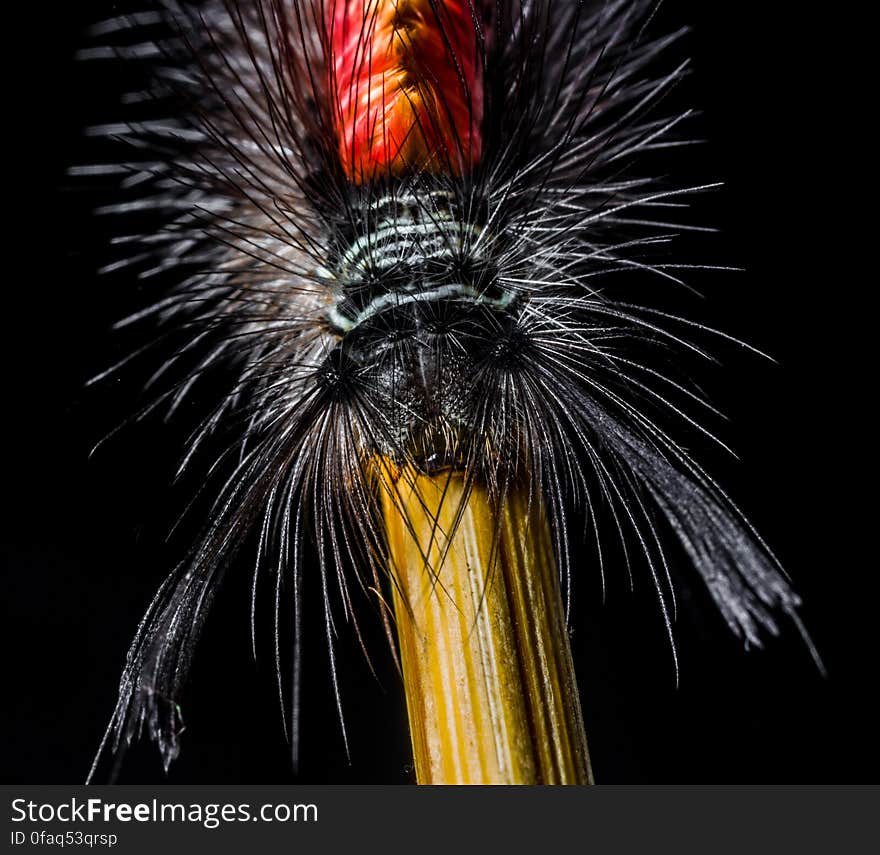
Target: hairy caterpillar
x,y
449,297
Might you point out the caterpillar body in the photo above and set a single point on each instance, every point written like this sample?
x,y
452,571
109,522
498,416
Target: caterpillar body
x,y
404,231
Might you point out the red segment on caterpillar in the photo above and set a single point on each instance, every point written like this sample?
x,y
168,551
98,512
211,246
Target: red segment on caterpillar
x,y
407,79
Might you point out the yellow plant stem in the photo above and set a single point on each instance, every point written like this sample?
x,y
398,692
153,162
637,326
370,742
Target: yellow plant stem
x,y
484,649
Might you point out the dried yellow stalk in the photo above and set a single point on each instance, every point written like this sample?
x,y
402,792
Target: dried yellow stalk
x,y
490,689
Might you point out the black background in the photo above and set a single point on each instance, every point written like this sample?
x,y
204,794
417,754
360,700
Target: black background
x,y
83,540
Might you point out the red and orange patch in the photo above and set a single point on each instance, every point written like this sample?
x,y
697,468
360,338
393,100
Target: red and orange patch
x,y
408,82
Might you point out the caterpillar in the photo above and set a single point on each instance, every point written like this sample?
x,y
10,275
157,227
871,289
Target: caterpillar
x,y
403,234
